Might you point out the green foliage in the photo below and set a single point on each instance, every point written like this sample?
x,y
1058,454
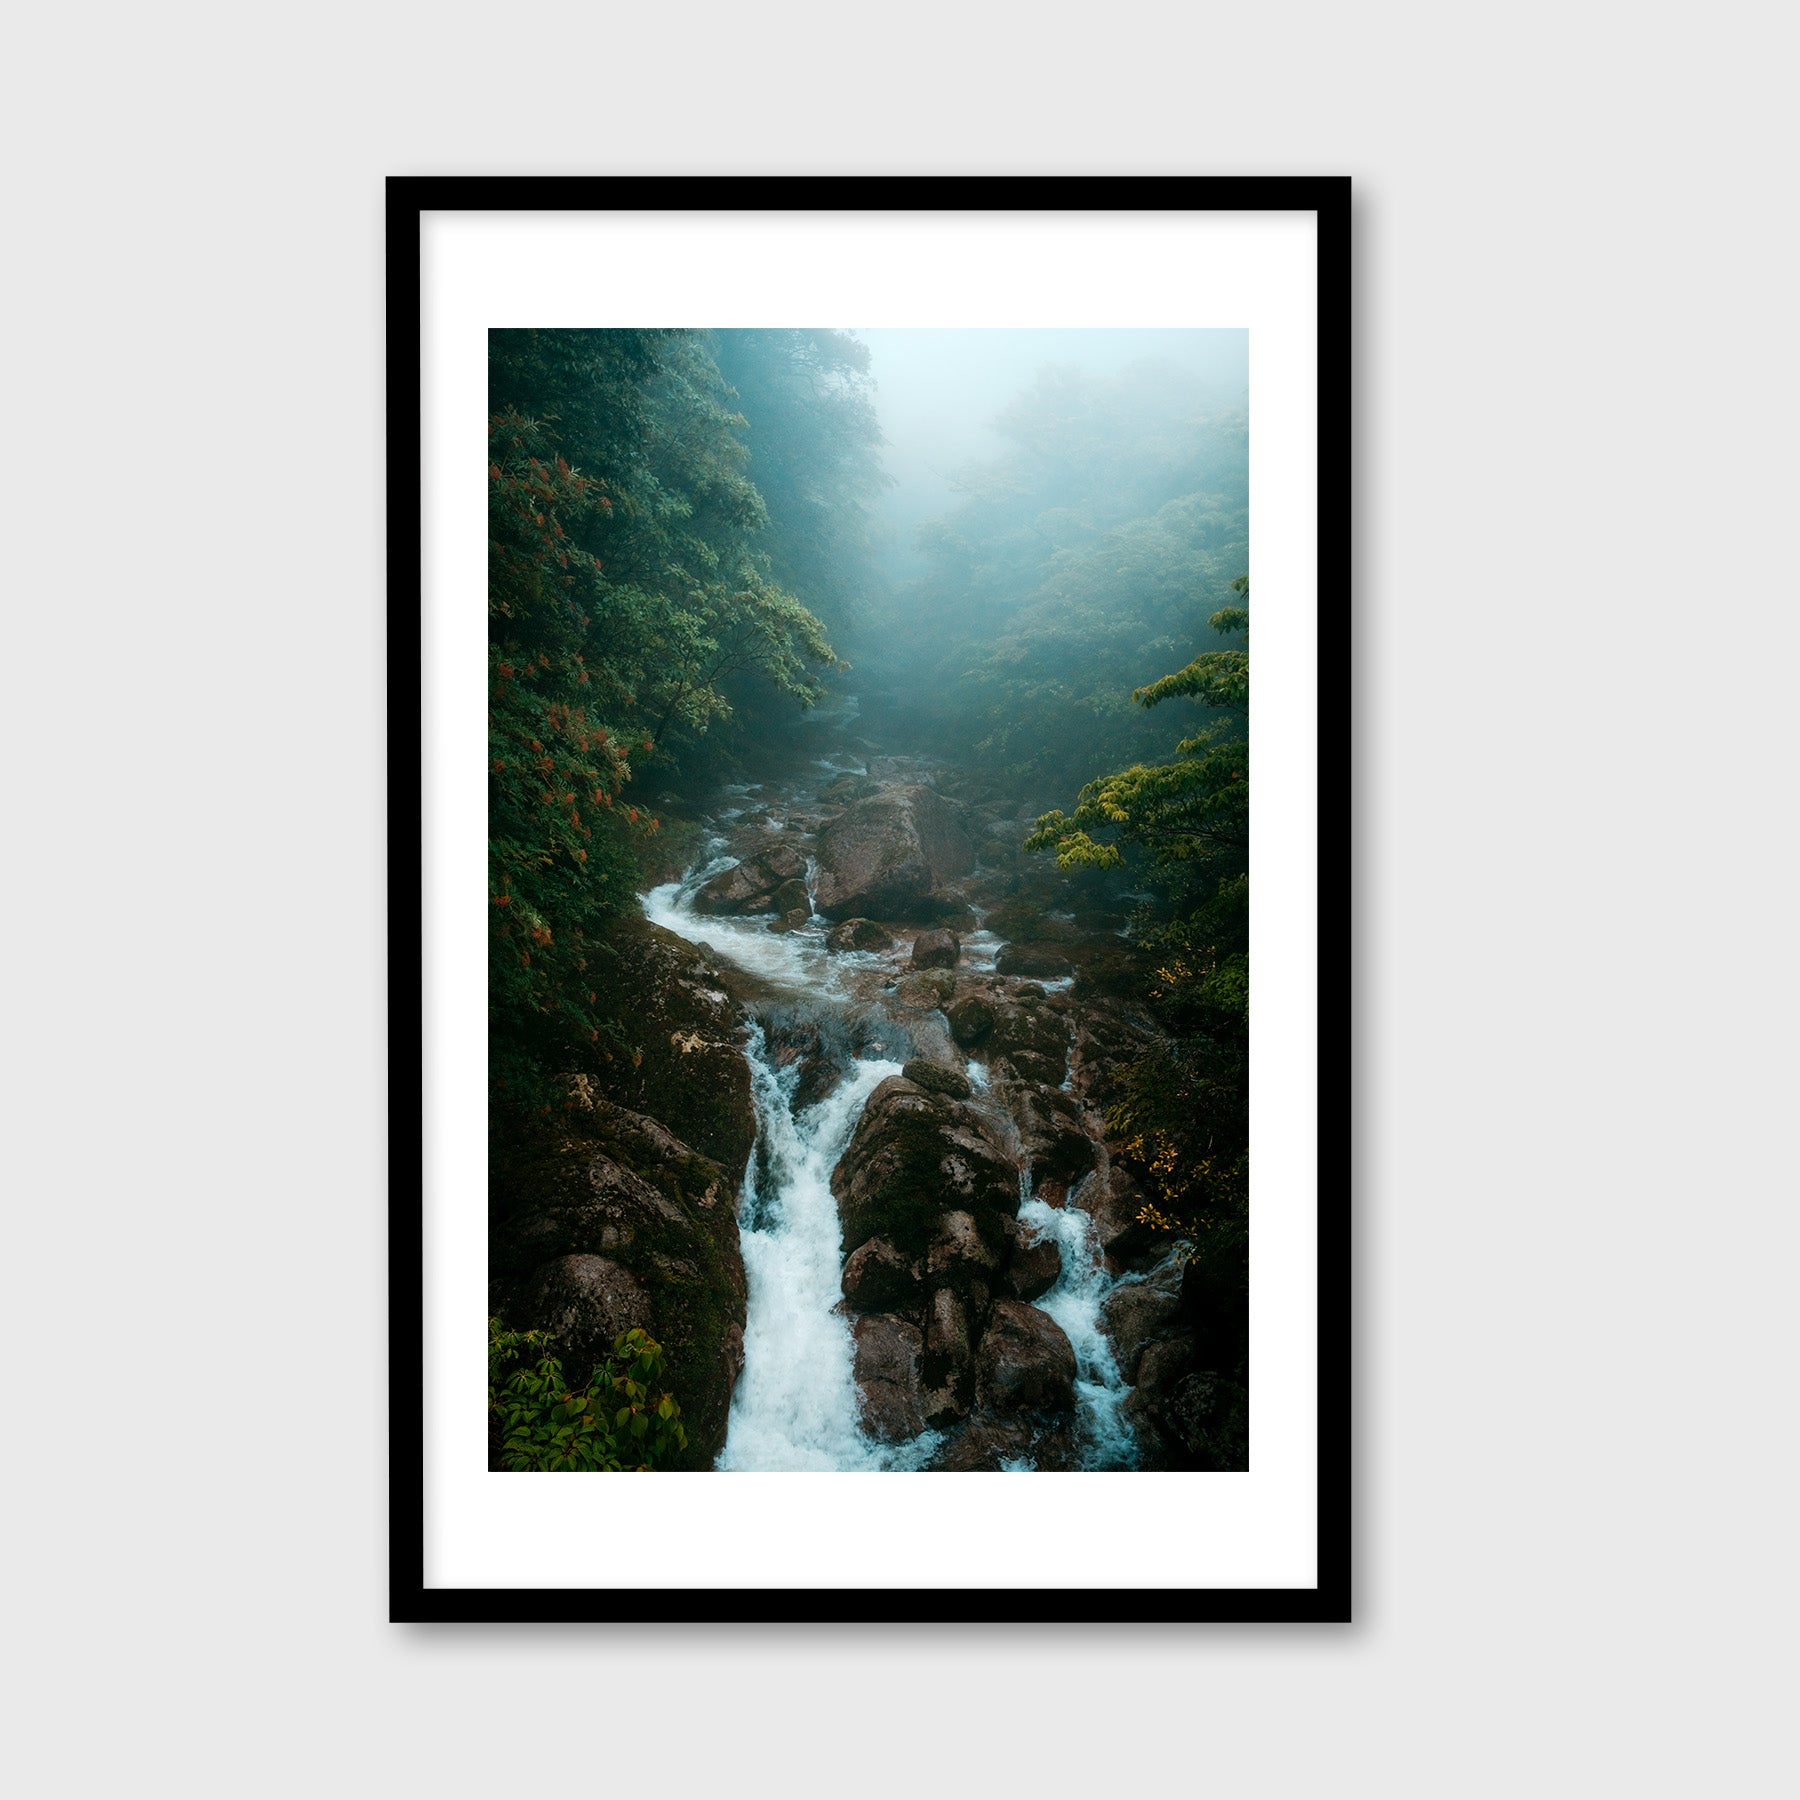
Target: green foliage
x,y
1193,810
630,599
1182,1123
613,1421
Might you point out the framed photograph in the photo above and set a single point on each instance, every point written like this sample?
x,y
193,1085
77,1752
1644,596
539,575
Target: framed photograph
x,y
820,718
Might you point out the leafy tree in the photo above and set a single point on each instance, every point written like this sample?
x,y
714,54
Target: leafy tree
x,y
627,593
1183,1121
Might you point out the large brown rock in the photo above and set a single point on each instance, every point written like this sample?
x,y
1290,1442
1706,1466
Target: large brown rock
x,y
1032,1038
1034,1268
949,1330
1026,1362
858,934
601,1203
888,1356
915,1156
879,1278
888,852
1140,1310
958,1255
925,990
1012,1441
1036,962
588,1301
1052,1132
751,885
971,1019
791,897
936,950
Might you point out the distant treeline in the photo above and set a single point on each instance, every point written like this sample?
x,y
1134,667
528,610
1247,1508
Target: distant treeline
x,y
1077,566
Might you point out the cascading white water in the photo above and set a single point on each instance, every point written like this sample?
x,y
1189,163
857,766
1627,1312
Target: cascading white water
x,y
1105,1434
795,1405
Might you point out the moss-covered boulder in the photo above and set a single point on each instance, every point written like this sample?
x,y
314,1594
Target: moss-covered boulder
x,y
791,896
971,1019
1034,962
934,1078
1053,1132
858,934
925,990
880,1278
915,1156
936,950
683,1062
601,1201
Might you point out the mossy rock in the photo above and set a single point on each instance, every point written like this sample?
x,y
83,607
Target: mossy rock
x,y
916,1155
935,1079
672,1227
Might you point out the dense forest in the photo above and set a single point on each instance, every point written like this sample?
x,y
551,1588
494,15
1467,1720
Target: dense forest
x,y
811,862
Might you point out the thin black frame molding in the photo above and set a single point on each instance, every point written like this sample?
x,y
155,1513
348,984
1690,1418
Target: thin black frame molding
x,y
408,198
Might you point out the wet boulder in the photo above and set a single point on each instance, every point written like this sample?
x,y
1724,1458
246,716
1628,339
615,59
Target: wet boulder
x,y
1113,1200
936,950
958,1255
1016,1442
880,1278
1032,1038
791,896
793,1037
1052,1133
934,1078
948,1353
971,1019
1025,1363
857,934
925,990
890,853
683,1063
602,1208
1033,1268
1035,962
915,1156
890,1401
1140,1311
750,886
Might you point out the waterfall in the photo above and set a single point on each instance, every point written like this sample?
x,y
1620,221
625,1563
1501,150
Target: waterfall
x,y
795,1404
1074,1303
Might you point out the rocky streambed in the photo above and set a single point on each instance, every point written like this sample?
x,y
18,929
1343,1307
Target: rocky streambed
x,y
859,1182
944,1264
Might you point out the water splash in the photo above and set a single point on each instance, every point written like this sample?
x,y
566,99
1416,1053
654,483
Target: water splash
x,y
1105,1434
795,1403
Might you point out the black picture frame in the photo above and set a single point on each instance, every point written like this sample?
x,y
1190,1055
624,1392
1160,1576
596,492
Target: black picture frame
x,y
407,199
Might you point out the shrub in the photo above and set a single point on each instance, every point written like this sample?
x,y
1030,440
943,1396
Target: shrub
x,y
612,1422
